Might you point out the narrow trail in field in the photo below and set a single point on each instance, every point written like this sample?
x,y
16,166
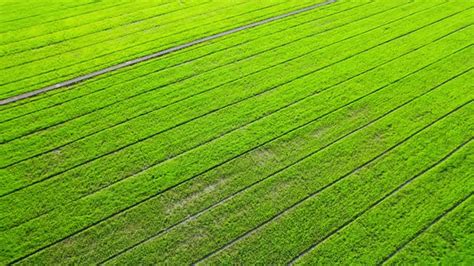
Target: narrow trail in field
x,y
158,54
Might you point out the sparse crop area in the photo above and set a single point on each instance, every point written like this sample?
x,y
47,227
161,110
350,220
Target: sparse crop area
x,y
339,135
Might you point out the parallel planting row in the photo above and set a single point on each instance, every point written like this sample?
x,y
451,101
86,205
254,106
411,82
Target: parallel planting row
x,y
340,135
172,149
46,53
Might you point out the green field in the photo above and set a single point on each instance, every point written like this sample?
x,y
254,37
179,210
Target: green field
x,y
339,135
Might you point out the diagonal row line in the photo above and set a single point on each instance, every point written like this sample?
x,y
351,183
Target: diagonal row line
x,y
273,139
317,192
184,152
160,53
185,62
378,202
158,162
128,33
80,24
106,64
155,71
246,188
195,176
235,44
195,118
424,229
152,110
45,13
222,84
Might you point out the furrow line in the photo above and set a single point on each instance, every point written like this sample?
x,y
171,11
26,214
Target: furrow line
x,y
161,53
76,26
150,62
158,54
128,33
214,167
177,65
239,78
52,11
233,195
312,195
143,114
424,229
208,113
378,202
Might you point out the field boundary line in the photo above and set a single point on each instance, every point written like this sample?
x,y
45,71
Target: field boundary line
x,y
121,37
186,98
148,73
379,201
158,54
239,78
282,169
317,192
427,227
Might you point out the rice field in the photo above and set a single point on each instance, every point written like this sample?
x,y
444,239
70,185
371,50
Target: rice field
x,y
332,133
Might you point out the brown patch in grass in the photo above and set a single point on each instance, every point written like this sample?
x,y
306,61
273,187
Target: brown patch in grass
x,y
182,203
261,156
320,131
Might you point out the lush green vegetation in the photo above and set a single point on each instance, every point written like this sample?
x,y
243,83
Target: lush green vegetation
x,y
447,240
342,135
108,33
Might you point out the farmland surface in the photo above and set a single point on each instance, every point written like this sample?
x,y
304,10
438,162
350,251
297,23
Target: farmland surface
x,y
341,134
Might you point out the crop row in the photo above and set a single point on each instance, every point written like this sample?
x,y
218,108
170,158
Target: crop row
x,y
187,182
131,43
435,243
44,140
176,140
156,75
94,14
15,17
226,146
381,134
385,228
50,133
186,56
278,213
98,33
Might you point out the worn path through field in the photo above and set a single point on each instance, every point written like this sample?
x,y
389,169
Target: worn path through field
x,y
158,54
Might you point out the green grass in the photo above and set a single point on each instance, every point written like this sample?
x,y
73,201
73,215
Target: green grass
x,y
220,46
448,239
141,121
231,118
34,58
342,135
416,206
